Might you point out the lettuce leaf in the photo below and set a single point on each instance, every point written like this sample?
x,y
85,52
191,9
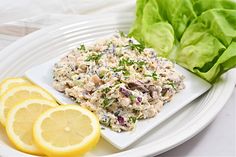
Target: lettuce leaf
x,y
201,6
179,14
205,41
199,35
224,63
151,27
136,30
162,33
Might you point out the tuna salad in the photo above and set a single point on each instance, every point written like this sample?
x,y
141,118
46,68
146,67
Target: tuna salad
x,y
118,79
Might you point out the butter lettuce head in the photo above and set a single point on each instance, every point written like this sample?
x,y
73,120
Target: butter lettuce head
x,y
198,34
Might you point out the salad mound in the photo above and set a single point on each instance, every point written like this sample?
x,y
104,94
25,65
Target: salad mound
x,y
118,79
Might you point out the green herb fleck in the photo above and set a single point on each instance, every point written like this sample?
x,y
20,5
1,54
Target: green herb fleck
x,y
109,44
124,62
128,62
107,102
138,47
122,34
153,75
132,119
82,47
93,57
101,75
117,83
106,122
121,69
116,69
173,85
132,98
106,90
140,63
136,111
126,72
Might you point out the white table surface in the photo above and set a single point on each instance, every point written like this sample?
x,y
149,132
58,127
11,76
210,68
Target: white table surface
x,y
217,140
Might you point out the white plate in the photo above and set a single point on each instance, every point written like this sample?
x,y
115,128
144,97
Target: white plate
x,y
42,75
56,40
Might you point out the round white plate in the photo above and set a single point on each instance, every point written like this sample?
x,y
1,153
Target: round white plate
x,y
53,41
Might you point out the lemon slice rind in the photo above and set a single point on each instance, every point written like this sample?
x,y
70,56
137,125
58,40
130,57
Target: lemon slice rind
x,y
4,85
14,138
10,92
87,143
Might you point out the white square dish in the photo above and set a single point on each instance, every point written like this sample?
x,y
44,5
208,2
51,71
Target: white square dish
x,y
194,87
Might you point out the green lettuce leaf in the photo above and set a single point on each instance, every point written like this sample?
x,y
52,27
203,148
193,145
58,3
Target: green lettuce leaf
x,y
179,14
161,33
221,23
151,27
224,63
137,26
198,34
201,6
205,41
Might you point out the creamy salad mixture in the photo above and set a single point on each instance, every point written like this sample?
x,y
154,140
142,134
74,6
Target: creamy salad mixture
x,y
118,79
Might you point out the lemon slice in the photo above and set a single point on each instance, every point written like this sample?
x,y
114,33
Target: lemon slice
x,y
18,94
66,131
20,120
11,82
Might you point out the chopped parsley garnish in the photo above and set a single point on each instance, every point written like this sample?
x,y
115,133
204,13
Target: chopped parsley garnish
x,y
101,75
109,44
140,63
132,98
124,62
117,69
136,111
132,119
138,47
106,122
172,84
153,75
94,57
117,83
106,90
117,113
126,72
122,34
128,62
82,47
121,69
107,102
